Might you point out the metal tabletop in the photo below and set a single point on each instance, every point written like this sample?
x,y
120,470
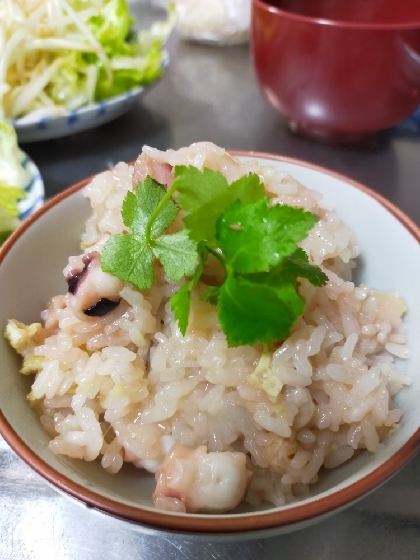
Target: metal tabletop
x,y
210,93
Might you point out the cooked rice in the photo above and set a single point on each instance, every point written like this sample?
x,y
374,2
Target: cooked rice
x,y
125,386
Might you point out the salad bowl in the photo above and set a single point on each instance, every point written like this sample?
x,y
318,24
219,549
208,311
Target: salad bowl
x,y
36,129
390,260
84,70
21,184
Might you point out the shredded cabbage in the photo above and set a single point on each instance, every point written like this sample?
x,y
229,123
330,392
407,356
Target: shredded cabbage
x,y
58,55
13,179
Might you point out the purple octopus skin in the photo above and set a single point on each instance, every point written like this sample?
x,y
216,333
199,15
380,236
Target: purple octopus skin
x,y
102,307
78,279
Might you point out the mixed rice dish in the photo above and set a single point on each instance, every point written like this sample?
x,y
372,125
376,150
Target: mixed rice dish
x,y
218,425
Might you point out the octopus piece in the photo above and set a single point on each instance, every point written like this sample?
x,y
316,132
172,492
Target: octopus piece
x,y
93,291
200,155
213,482
159,171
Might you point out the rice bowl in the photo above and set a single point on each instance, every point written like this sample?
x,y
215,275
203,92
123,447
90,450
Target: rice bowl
x,y
286,494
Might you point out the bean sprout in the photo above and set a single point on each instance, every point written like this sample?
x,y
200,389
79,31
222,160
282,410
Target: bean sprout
x,y
58,55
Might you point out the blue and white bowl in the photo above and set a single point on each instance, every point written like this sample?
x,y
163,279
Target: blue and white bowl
x,y
35,193
36,129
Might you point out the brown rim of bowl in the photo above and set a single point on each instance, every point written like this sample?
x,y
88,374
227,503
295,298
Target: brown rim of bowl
x,y
297,513
368,26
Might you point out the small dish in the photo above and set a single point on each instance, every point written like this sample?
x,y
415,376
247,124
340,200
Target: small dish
x,y
390,260
30,129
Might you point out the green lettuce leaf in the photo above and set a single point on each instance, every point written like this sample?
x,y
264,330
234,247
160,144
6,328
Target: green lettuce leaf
x,y
9,197
135,57
68,87
13,179
128,73
8,224
11,171
111,26
132,58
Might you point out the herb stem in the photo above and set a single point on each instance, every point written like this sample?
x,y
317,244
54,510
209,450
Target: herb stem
x,y
218,256
156,212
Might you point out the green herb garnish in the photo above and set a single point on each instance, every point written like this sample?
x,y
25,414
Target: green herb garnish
x,y
255,242
148,213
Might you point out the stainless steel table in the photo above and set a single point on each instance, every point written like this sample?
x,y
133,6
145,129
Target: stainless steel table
x,y
209,93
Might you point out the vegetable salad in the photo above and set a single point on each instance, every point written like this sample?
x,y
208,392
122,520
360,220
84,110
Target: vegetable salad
x,y
59,55
13,179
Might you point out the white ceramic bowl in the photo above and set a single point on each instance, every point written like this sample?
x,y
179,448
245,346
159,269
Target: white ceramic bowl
x,y
31,264
30,129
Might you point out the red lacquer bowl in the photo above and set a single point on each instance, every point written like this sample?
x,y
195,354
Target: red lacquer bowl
x,y
338,68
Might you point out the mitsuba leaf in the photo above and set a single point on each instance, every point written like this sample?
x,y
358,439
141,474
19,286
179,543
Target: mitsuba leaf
x,y
211,295
297,266
256,236
247,189
205,195
289,270
130,256
251,312
177,253
127,258
139,207
181,301
258,300
180,305
201,194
